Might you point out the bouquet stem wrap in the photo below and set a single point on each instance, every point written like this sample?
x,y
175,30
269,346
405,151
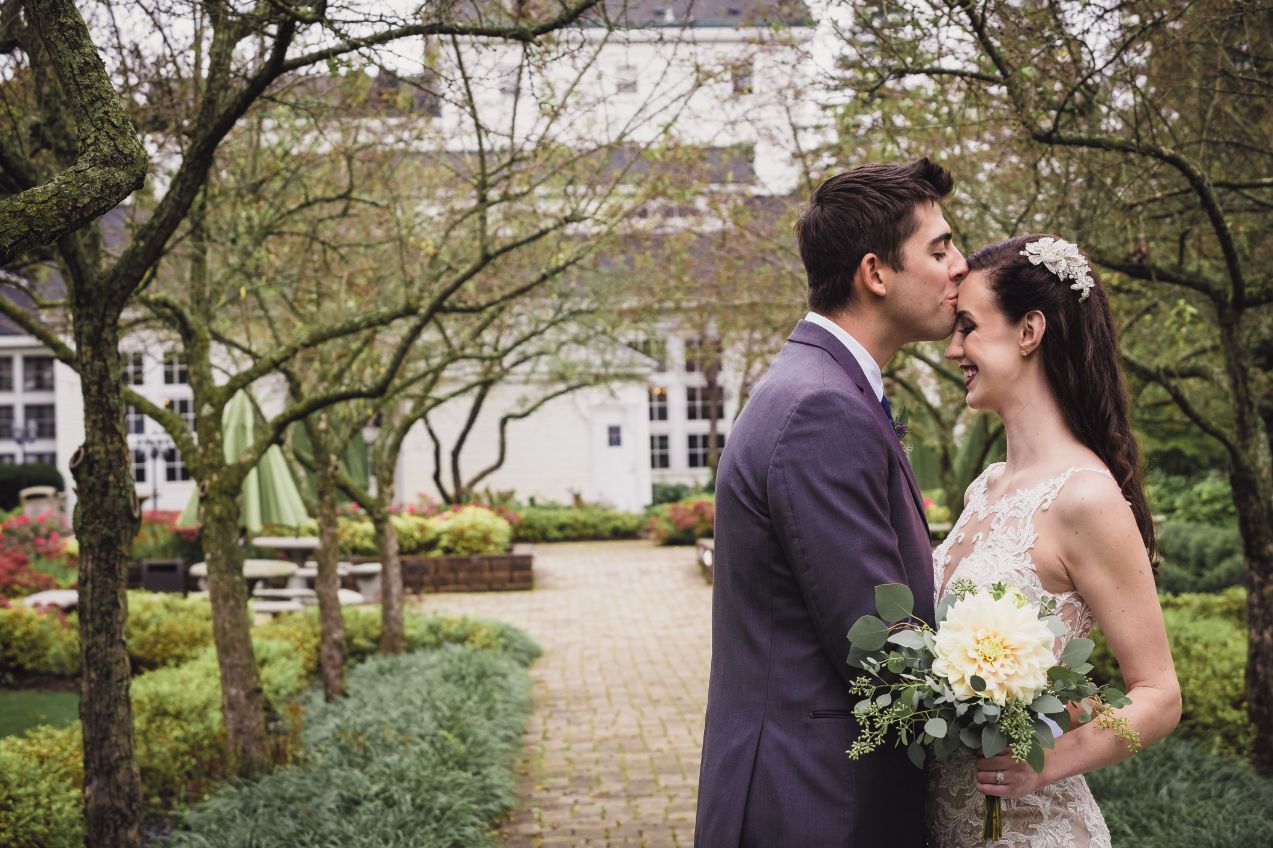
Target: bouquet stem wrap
x,y
992,823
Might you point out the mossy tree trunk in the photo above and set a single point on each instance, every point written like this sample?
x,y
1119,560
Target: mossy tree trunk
x,y
331,652
242,698
392,631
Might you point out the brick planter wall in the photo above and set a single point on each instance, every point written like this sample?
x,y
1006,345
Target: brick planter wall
x,y
498,573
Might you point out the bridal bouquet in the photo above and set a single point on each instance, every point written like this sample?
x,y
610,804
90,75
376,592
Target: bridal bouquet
x,y
984,679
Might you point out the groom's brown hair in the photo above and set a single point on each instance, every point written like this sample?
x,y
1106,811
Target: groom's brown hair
x,y
869,209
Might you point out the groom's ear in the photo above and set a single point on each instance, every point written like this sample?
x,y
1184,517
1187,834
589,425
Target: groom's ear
x,y
871,275
1033,327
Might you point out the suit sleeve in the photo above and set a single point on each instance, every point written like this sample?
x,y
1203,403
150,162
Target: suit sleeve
x,y
828,492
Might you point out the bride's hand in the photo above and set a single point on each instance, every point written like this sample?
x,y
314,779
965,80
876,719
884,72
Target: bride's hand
x,y
1018,781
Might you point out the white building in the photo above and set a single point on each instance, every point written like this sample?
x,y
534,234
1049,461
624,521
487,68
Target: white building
x,y
603,444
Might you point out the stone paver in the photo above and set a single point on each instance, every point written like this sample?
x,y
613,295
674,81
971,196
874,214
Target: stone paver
x,y
611,753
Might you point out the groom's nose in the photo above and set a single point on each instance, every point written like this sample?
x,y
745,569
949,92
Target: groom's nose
x,y
959,268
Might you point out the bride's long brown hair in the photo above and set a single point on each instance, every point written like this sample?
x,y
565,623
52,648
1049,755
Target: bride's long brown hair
x,y
1080,358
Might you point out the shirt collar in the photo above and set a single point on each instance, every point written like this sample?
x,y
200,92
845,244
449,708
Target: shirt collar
x,y
869,366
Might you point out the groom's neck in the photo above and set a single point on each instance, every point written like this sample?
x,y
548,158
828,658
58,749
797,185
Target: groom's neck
x,y
868,331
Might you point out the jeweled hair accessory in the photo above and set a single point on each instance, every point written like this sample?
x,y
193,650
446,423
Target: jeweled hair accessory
x,y
1063,259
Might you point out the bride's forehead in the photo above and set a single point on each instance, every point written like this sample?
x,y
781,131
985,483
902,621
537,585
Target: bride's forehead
x,y
974,290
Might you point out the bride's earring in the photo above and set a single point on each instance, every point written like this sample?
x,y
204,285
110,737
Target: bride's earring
x,y
1024,353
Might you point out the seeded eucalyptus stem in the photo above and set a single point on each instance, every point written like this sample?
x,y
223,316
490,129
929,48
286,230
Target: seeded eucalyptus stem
x,y
992,824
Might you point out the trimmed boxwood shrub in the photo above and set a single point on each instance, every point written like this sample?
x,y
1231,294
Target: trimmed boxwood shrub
x,y
1208,642
551,523
15,478
471,531
423,746
38,642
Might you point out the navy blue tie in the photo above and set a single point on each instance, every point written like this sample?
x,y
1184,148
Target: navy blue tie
x,y
888,408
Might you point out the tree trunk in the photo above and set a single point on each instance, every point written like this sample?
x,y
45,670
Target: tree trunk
x,y
242,699
392,631
331,650
1255,518
106,519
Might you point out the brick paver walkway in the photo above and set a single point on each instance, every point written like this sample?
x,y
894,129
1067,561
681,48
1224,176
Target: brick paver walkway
x,y
611,753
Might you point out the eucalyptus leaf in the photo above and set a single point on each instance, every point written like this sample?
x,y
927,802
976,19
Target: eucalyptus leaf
x,y
915,752
970,736
868,633
977,683
1035,757
991,710
884,700
993,742
1047,704
894,601
936,728
944,607
908,639
1043,733
1077,651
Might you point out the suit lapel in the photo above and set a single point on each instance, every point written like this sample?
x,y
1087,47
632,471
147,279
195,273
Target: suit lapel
x,y
811,334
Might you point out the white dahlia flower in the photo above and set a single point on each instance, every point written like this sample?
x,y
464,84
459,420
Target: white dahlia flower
x,y
1000,641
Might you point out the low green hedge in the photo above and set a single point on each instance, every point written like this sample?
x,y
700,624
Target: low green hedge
x,y
1179,794
1208,640
177,720
420,753
576,524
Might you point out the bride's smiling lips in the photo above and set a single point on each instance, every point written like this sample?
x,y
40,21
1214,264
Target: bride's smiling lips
x,y
970,373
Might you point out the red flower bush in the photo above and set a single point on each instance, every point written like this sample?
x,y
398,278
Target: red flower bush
x,y
684,522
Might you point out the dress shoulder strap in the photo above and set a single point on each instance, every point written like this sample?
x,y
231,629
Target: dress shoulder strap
x,y
1058,483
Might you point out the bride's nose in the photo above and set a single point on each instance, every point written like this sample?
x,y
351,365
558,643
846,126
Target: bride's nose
x,y
954,348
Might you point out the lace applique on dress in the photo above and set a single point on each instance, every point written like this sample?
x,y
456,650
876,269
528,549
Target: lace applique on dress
x,y
1063,814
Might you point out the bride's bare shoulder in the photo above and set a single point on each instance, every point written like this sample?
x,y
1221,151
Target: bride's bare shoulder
x,y
1091,502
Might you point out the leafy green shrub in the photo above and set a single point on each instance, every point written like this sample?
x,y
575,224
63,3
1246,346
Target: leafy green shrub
x,y
41,805
1178,794
357,536
549,523
15,478
164,628
1209,648
683,523
38,642
665,493
423,746
1199,557
1198,500
417,534
472,530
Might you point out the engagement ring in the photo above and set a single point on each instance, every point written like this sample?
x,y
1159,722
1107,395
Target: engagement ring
x,y
998,777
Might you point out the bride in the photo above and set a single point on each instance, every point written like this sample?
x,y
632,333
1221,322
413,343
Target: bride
x,y
1065,516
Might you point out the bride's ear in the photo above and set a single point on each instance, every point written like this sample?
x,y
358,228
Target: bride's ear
x,y
1033,326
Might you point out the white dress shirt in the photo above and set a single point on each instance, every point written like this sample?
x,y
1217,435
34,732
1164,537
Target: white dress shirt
x,y
869,366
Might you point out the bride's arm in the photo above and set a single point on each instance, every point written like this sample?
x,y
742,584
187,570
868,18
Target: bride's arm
x,y
1101,549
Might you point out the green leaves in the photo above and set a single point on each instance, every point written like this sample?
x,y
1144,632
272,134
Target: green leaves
x,y
894,602
1047,704
993,742
1077,651
908,639
936,728
868,633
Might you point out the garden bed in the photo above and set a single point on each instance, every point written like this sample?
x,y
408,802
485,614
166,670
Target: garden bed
x,y
512,571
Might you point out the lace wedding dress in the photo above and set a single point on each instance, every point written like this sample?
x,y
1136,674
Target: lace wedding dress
x,y
993,541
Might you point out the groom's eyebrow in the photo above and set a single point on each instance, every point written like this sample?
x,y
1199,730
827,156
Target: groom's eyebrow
x,y
940,240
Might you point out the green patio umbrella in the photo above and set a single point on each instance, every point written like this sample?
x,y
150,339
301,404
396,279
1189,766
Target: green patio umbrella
x,y
353,460
269,494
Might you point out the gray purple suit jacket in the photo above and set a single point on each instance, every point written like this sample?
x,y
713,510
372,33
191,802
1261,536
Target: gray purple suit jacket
x,y
816,504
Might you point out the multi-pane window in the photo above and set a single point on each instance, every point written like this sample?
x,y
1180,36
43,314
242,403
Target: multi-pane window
x,y
37,373
614,436
656,349
136,421
44,419
625,79
185,408
175,468
139,466
701,354
176,369
702,403
698,443
659,455
134,368
6,422
6,373
741,78
41,459
658,403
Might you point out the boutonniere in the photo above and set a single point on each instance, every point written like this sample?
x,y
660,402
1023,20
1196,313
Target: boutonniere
x,y
900,427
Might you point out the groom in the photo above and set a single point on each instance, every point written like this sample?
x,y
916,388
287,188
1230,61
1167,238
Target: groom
x,y
816,505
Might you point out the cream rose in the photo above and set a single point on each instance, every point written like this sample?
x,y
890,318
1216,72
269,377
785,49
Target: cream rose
x,y
1004,644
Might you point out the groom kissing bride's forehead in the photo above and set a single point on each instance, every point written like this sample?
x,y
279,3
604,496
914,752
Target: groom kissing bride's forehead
x,y
816,505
